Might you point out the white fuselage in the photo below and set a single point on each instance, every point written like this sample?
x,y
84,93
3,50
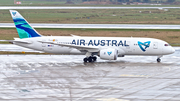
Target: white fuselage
x,y
124,45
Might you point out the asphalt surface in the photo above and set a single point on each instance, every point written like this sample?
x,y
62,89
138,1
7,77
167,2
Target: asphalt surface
x,y
96,26
15,48
47,7
67,78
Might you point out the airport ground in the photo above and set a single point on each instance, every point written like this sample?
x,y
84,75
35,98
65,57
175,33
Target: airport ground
x,y
76,3
90,16
67,78
97,16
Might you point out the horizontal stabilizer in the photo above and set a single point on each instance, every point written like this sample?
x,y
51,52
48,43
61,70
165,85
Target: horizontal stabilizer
x,y
18,41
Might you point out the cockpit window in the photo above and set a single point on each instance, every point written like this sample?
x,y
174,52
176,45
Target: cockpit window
x,y
166,44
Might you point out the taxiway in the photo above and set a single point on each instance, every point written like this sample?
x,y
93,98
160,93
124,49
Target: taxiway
x,y
96,26
67,78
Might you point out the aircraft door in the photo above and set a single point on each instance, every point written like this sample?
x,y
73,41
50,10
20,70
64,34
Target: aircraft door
x,y
155,45
43,45
128,45
129,49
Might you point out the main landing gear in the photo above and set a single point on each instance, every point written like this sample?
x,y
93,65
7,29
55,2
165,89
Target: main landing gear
x,y
90,59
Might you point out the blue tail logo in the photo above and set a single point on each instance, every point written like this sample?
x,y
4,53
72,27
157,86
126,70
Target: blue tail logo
x,y
23,28
145,44
14,13
109,53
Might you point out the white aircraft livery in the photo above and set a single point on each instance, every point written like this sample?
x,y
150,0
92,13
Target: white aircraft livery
x,y
108,48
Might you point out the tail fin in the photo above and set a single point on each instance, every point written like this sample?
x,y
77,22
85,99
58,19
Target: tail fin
x,y
23,28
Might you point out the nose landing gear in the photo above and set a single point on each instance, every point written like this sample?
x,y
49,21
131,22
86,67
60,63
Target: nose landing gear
x,y
158,58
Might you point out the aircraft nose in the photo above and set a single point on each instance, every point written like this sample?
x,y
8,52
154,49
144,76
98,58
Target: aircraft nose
x,y
172,50
168,50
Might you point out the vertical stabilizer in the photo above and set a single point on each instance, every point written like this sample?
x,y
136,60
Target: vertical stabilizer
x,y
23,28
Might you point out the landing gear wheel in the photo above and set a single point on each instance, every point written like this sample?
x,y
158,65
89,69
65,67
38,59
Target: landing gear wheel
x,y
94,58
90,59
85,59
158,60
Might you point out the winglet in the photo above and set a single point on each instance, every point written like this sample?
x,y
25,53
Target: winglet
x,y
23,28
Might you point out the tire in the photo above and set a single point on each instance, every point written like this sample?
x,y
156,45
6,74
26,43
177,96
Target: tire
x,y
94,58
85,59
90,59
158,60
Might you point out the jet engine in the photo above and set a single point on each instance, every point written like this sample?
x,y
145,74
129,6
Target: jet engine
x,y
108,54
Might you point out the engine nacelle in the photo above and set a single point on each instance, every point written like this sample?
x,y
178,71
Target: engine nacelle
x,y
108,54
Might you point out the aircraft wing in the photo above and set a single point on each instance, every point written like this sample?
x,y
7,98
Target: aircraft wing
x,y
18,41
86,48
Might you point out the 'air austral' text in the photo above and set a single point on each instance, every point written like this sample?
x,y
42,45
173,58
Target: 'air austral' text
x,y
99,42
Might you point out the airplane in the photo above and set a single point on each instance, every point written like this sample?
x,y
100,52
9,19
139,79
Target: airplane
x,y
107,48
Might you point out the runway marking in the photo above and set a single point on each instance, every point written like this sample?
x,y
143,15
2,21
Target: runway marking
x,y
131,75
111,99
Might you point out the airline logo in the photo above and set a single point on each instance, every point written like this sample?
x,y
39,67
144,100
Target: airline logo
x,y
109,53
100,42
14,13
144,45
